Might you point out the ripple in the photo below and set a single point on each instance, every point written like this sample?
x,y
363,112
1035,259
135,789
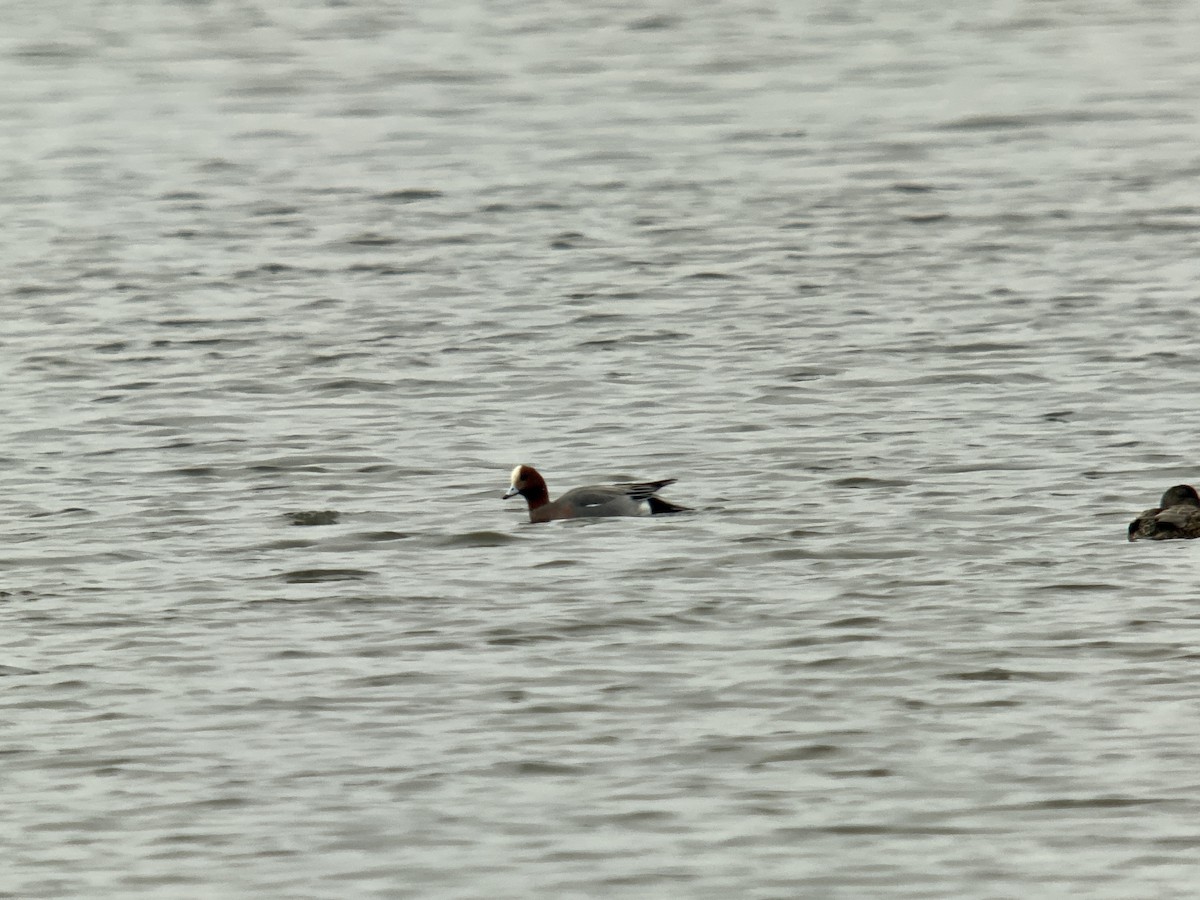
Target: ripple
x,y
317,576
478,539
313,517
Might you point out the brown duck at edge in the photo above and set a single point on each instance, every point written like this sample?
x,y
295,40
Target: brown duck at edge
x,y
1176,517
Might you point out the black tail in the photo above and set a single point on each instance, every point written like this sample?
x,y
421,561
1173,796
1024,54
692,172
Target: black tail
x,y
661,507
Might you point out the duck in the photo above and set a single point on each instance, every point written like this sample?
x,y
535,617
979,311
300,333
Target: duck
x,y
627,499
1176,517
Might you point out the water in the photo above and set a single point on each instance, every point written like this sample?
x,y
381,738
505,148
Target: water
x,y
903,296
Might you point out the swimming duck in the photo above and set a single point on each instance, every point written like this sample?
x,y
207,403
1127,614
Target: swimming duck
x,y
634,499
1177,516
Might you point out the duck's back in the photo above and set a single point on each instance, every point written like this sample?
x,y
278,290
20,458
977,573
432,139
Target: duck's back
x,y
602,500
1179,522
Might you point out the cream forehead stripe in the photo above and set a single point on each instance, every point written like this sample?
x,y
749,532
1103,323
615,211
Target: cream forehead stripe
x,y
515,474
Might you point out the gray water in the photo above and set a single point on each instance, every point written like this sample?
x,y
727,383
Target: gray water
x,y
904,295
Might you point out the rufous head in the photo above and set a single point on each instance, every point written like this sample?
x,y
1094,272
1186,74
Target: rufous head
x,y
525,480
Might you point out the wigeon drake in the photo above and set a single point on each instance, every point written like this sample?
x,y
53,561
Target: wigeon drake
x,y
1176,517
594,500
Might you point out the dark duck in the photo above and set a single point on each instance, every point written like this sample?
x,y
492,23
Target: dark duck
x,y
1176,517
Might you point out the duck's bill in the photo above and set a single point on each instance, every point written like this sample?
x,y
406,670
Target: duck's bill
x,y
511,492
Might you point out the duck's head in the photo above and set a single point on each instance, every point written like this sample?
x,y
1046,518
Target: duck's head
x,y
1180,495
525,480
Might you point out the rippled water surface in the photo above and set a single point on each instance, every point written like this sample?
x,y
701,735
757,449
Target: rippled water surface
x,y
904,295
